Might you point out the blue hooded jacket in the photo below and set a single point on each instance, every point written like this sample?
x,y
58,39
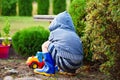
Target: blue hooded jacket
x,y
64,38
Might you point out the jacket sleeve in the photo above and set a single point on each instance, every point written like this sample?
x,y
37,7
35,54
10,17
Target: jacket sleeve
x,y
51,47
51,37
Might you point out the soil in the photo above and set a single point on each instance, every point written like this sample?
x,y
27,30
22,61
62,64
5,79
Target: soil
x,y
16,69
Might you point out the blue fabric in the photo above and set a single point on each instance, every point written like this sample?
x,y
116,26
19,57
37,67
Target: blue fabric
x,y
64,38
39,55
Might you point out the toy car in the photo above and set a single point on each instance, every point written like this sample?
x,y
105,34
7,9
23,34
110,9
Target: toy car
x,y
35,61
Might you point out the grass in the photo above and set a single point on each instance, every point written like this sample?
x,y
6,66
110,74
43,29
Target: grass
x,y
18,23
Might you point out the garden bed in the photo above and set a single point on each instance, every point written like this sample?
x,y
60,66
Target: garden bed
x,y
15,68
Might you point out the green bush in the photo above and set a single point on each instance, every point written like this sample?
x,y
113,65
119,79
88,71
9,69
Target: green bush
x,y
8,7
59,6
78,12
71,0
25,7
43,6
101,36
93,40
0,7
28,41
112,39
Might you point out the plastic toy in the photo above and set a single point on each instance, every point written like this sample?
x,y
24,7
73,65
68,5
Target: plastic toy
x,y
35,61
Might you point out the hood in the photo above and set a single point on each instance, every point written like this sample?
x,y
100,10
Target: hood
x,y
62,21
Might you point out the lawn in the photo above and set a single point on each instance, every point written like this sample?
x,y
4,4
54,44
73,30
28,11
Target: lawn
x,y
18,23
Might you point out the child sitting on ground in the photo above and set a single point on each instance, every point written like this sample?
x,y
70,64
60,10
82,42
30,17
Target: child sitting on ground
x,y
63,48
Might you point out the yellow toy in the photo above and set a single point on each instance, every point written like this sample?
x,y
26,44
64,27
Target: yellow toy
x,y
35,61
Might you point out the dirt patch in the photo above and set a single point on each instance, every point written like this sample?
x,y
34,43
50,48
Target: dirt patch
x,y
17,69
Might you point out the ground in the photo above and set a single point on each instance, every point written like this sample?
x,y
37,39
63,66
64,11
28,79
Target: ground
x,y
16,69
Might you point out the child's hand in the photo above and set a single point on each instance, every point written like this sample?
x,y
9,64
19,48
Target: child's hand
x,y
45,46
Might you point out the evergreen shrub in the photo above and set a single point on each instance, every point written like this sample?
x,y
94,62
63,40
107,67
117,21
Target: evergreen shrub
x,y
59,6
102,35
71,0
8,7
25,7
78,12
43,6
0,7
28,41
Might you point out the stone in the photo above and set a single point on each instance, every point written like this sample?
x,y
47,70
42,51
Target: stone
x,y
8,78
12,71
28,78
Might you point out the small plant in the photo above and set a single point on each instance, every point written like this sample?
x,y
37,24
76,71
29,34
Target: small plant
x,y
6,31
0,34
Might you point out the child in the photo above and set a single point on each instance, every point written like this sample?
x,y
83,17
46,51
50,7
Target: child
x,y
64,47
